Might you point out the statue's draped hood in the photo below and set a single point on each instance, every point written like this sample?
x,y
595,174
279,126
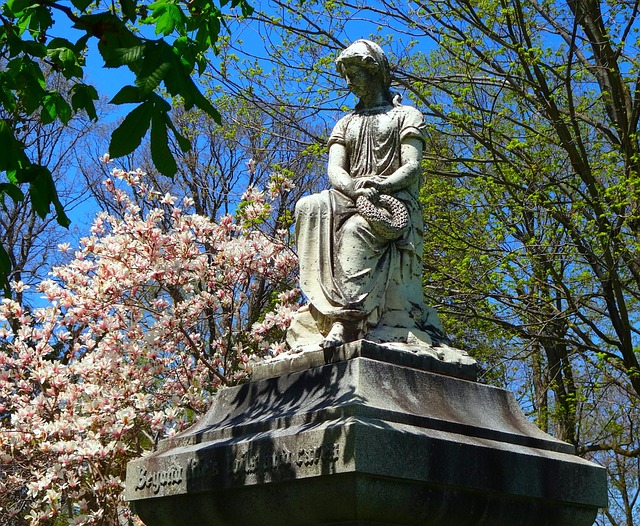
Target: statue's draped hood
x,y
372,56
366,50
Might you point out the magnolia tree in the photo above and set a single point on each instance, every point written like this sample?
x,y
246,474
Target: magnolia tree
x,y
145,321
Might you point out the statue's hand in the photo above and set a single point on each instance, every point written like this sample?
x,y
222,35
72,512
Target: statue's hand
x,y
361,188
369,193
376,182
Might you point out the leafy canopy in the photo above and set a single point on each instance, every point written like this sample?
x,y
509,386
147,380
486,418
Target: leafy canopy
x,y
162,42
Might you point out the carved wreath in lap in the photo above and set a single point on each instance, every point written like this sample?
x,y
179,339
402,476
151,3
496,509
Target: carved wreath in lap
x,y
387,216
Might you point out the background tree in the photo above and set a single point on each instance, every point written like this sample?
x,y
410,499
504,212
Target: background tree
x,y
145,321
533,111
33,34
531,253
30,241
248,150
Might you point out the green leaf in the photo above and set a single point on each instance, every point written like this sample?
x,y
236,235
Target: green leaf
x,y
125,56
183,142
81,43
167,16
129,9
39,189
7,97
213,26
23,23
132,54
55,107
40,19
5,263
42,191
12,190
82,97
247,9
30,82
33,48
179,82
16,7
12,154
158,62
82,4
127,95
60,43
12,175
128,136
64,55
160,152
113,35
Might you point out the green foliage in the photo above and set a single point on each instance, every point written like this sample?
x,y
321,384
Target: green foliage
x,y
532,199
187,31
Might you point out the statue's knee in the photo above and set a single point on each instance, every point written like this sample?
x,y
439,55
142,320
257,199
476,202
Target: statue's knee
x,y
303,206
308,206
354,225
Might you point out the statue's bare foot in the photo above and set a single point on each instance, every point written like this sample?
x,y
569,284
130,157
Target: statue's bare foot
x,y
335,336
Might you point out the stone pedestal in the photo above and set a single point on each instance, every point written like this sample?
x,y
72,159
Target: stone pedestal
x,y
374,439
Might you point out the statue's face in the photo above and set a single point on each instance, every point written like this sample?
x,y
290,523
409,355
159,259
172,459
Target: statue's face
x,y
360,79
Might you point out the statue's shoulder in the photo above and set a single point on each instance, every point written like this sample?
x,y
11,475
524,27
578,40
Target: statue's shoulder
x,y
410,122
339,130
345,118
410,112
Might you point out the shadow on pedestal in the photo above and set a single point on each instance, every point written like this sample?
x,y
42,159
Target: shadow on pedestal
x,y
365,441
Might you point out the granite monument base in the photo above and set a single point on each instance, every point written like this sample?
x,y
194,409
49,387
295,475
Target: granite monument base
x,y
365,441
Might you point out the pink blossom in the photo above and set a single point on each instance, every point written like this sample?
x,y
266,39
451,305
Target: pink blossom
x,y
251,165
122,347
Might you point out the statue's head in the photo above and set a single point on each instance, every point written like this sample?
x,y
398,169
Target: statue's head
x,y
368,55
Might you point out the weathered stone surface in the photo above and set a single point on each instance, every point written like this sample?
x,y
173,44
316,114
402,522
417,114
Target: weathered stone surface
x,y
360,442
441,359
360,242
389,431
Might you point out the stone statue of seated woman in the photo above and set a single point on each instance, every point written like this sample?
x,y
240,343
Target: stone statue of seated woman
x,y
360,242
